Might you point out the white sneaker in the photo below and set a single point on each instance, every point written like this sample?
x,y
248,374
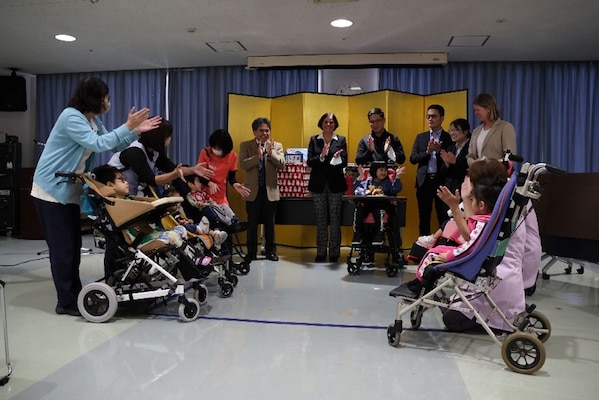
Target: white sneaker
x,y
219,238
203,226
426,241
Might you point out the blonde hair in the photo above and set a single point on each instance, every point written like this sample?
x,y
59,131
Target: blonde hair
x,y
487,101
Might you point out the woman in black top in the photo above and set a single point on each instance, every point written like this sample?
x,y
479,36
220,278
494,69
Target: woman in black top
x,y
327,156
455,161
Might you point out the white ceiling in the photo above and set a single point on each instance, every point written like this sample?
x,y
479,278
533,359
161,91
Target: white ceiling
x,y
140,34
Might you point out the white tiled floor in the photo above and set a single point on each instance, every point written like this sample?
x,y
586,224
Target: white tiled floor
x,y
292,330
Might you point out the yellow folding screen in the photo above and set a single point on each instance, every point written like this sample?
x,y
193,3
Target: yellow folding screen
x,y
294,120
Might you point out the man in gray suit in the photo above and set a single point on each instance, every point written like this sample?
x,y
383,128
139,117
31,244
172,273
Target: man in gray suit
x,y
260,158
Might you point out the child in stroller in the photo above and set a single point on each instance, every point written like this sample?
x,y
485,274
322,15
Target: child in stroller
x,y
376,196
480,199
476,276
194,243
113,178
379,183
219,216
199,198
140,274
215,237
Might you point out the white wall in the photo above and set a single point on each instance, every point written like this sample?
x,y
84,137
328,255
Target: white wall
x,y
23,123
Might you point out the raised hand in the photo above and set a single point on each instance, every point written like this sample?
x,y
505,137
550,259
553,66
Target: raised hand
x,y
370,143
451,199
148,124
433,146
135,118
269,145
387,144
325,150
466,189
201,170
448,157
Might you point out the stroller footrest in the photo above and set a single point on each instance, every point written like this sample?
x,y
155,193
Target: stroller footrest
x,y
236,228
403,290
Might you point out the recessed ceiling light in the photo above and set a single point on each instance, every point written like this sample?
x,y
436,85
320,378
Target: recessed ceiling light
x,y
65,38
341,23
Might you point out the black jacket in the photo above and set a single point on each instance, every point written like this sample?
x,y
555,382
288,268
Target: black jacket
x,y
322,171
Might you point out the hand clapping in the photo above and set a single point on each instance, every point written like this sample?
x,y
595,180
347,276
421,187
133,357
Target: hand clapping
x,y
325,151
370,143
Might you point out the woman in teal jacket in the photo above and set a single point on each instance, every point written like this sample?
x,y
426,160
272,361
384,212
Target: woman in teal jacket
x,y
75,138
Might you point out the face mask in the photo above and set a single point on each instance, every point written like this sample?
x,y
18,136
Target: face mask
x,y
106,106
217,152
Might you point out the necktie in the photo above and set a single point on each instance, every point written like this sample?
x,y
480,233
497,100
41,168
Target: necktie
x,y
261,168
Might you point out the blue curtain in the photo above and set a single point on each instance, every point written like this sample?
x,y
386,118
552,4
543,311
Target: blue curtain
x,y
553,105
198,100
127,89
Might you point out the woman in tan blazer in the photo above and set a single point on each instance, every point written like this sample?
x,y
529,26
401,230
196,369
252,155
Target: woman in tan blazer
x,y
494,135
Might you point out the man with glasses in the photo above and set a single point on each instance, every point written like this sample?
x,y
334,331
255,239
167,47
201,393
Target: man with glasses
x,y
379,145
426,154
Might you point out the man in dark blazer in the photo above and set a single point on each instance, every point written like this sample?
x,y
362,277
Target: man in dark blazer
x,y
426,154
260,158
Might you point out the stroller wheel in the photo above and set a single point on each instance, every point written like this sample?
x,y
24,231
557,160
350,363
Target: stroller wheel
x,y
523,353
200,293
97,302
233,279
226,289
416,317
352,268
243,267
392,270
189,310
394,333
539,325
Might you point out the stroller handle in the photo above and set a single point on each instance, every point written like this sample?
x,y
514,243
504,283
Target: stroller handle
x,y
72,177
555,170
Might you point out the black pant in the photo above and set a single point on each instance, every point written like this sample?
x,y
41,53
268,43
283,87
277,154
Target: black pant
x,y
61,225
112,253
426,194
261,210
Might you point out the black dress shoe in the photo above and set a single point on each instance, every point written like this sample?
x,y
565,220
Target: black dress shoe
x,y
249,258
272,257
72,310
320,259
333,259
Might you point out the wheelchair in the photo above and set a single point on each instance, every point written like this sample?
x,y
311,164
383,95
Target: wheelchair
x,y
474,276
362,255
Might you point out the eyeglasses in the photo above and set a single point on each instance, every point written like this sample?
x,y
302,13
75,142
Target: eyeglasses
x,y
432,116
376,121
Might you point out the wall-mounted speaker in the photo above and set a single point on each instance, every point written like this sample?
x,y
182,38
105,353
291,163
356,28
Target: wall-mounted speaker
x,y
13,93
